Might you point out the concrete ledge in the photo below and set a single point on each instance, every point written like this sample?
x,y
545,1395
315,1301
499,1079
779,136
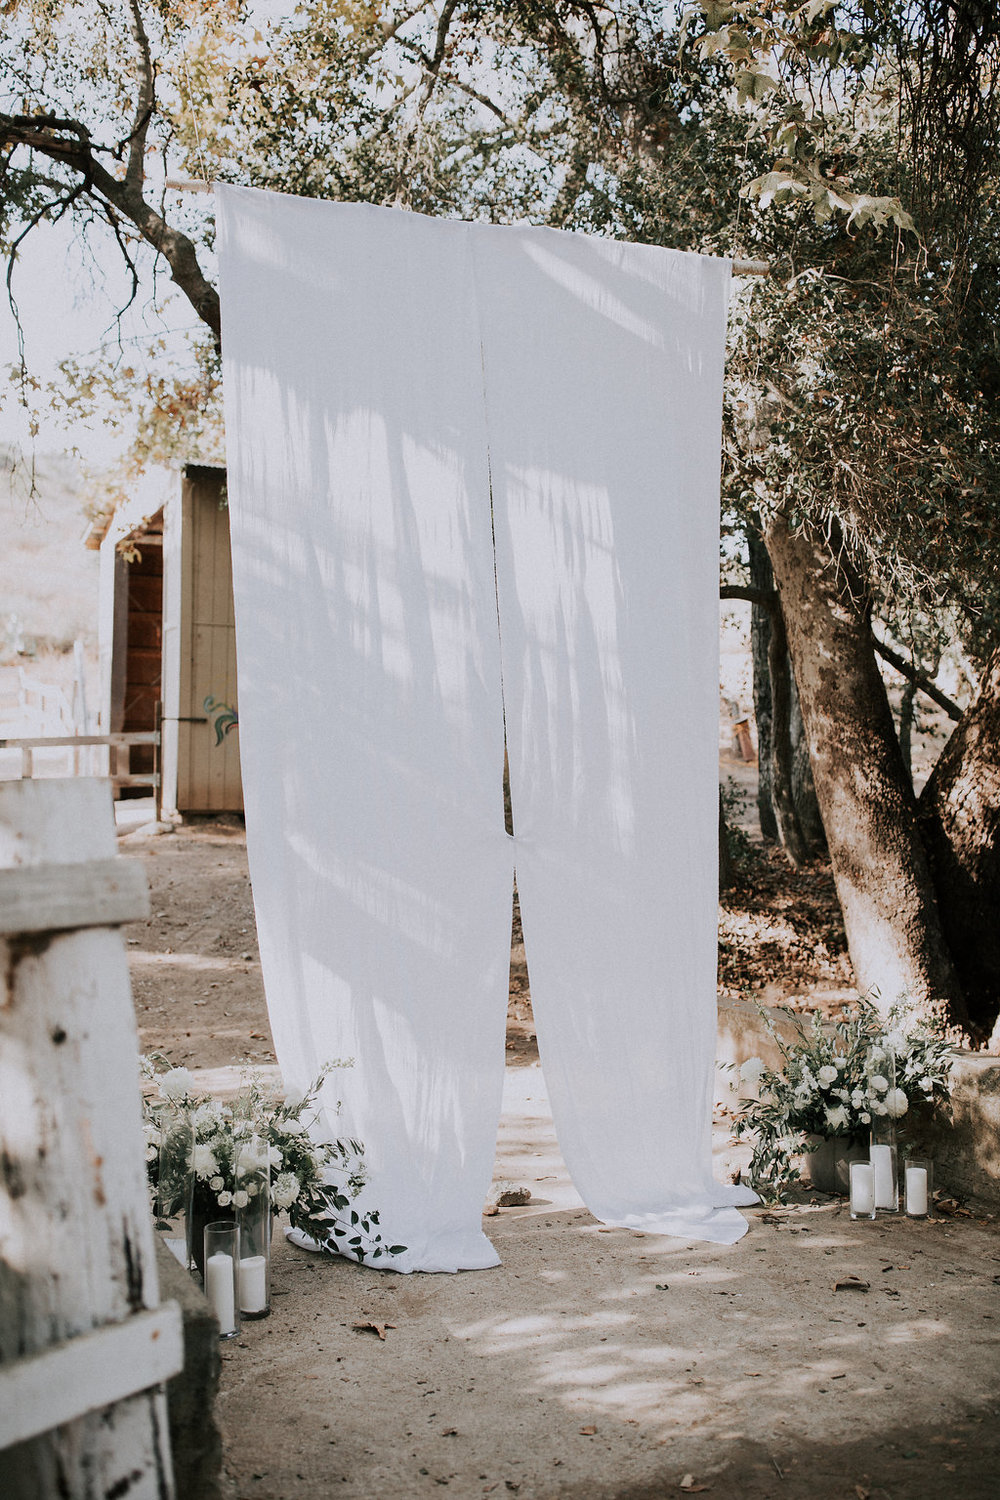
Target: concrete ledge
x,y
965,1150
195,1440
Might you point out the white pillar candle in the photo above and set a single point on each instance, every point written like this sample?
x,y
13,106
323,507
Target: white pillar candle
x,y
862,1187
885,1196
253,1284
916,1190
219,1290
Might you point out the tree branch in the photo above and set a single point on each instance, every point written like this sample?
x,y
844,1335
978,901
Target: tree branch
x,y
909,671
69,144
753,596
905,668
135,170
433,66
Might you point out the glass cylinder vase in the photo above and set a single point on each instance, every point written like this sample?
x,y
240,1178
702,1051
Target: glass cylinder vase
x,y
252,1199
172,1198
862,1190
222,1257
883,1160
918,1183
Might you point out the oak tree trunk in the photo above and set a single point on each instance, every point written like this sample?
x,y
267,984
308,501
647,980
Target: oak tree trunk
x,y
762,579
803,788
881,870
959,812
727,869
794,818
782,800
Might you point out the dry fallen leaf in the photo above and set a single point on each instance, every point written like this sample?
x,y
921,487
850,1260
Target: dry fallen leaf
x,y
852,1283
689,1487
861,1492
588,1431
378,1328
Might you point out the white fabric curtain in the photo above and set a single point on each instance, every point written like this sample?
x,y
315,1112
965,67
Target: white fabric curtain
x,y
371,725
377,365
604,383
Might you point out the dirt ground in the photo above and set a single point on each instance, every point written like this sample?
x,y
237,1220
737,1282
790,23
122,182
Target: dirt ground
x,y
592,1363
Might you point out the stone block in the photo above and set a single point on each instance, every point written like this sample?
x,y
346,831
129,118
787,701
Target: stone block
x,y
195,1439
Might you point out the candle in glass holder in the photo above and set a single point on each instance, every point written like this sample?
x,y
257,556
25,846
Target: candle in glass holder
x,y
253,1284
917,1180
222,1251
862,1190
884,1168
219,1290
253,1200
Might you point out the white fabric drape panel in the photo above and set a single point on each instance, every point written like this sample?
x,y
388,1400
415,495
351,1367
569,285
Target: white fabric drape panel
x,y
604,393
377,365
369,695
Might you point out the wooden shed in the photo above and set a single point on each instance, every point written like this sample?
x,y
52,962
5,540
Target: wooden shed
x,y
168,635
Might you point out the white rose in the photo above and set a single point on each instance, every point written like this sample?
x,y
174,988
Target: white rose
x,y
204,1162
176,1084
827,1075
879,1083
225,1199
896,1103
865,1118
857,1099
216,1184
240,1199
285,1189
879,1108
836,1119
752,1071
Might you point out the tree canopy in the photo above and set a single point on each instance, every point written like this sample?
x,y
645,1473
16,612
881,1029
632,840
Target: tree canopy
x,y
853,144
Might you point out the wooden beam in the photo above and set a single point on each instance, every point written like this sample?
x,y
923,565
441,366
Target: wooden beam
x,y
52,898
189,185
751,268
74,741
84,1374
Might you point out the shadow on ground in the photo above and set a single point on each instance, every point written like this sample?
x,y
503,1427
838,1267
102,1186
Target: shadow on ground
x,y
602,1364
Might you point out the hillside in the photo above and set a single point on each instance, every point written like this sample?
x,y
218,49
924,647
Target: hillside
x,y
48,579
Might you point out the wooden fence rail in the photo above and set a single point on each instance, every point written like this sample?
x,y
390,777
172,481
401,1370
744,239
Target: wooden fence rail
x,y
85,1345
28,744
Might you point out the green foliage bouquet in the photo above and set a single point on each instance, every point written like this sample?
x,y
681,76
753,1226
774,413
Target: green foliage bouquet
x,y
835,1080
192,1142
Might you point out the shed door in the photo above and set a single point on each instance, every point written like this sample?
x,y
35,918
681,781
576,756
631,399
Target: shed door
x,y
208,752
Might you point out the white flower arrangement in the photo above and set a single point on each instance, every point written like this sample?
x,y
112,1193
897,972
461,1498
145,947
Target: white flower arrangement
x,y
193,1143
835,1080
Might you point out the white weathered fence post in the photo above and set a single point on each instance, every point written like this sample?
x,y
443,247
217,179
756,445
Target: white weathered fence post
x,y
84,1345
